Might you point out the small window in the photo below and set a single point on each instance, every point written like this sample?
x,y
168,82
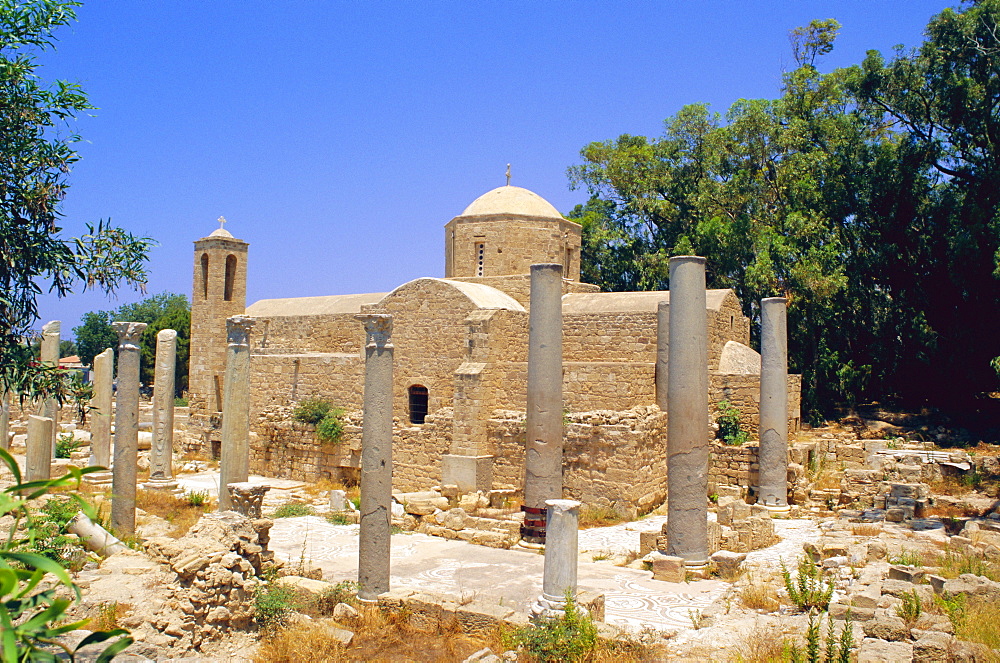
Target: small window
x,y
204,276
480,257
418,404
230,276
732,321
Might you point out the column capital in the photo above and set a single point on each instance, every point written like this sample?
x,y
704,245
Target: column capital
x,y
129,333
378,329
52,327
238,329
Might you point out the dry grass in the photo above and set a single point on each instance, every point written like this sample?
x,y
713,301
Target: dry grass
x,y
866,529
761,645
378,635
323,486
952,563
109,615
600,516
175,510
759,594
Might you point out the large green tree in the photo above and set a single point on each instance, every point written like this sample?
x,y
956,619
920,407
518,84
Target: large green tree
x,y
36,153
163,311
860,194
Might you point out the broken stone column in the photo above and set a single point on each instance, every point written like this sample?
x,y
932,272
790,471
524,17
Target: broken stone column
x,y
50,357
687,413
100,415
561,551
247,498
234,460
662,353
543,448
123,480
376,458
38,451
161,453
773,455
4,419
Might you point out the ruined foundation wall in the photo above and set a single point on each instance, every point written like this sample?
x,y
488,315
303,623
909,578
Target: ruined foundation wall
x,y
743,392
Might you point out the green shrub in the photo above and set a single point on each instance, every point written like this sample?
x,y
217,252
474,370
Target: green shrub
x,y
331,426
345,591
66,444
49,534
837,649
311,410
180,402
808,590
571,637
197,497
293,510
729,425
335,518
909,610
273,604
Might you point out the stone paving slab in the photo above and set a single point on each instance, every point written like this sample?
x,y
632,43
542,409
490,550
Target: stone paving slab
x,y
511,577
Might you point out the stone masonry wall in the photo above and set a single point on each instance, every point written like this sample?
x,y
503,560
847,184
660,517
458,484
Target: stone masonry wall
x,y
512,244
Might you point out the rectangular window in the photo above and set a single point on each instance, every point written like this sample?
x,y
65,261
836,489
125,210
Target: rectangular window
x,y
480,257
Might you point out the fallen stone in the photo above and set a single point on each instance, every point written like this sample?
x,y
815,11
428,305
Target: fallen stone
x,y
728,563
874,650
667,568
858,613
341,635
343,611
887,627
484,655
906,573
932,646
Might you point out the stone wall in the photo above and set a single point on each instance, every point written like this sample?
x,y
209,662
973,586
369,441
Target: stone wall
x,y
512,244
743,392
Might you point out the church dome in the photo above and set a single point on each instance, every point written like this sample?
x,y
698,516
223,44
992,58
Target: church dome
x,y
512,200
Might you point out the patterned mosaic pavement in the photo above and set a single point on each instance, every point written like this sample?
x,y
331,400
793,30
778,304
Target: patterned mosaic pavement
x,y
511,577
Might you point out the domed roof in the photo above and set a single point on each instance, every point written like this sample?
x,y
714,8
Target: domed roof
x,y
221,232
512,200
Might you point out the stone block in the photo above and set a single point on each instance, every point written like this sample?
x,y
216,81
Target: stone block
x,y
874,650
668,568
932,646
647,542
727,563
894,515
907,573
887,627
469,473
593,601
858,614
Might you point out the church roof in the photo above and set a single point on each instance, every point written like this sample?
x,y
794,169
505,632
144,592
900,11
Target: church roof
x,y
512,200
629,302
328,305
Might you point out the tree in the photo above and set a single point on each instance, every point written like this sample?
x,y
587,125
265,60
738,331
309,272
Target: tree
x,y
163,311
866,196
35,157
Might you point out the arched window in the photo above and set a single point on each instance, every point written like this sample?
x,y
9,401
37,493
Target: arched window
x,y
204,276
418,404
230,276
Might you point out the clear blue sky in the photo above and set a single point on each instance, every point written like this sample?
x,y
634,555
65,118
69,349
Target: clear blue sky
x,y
338,137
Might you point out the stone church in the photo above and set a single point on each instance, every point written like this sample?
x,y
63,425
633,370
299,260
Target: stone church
x,y
460,361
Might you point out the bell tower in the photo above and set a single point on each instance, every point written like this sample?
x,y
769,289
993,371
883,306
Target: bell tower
x,y
219,292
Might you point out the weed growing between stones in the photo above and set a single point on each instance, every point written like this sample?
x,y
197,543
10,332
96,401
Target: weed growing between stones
x,y
759,595
274,604
109,614
311,410
836,648
600,516
729,425
331,427
335,518
571,637
909,610
197,497
808,590
181,512
66,444
294,510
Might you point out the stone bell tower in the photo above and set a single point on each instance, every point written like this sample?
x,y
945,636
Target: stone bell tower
x,y
219,292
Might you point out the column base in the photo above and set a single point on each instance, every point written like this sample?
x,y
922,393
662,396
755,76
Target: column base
x,y
546,608
528,545
778,509
469,473
161,484
99,478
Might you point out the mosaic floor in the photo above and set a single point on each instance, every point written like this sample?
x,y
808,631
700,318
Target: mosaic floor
x,y
510,577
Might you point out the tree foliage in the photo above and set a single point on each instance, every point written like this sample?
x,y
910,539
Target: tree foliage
x,y
163,311
865,195
36,153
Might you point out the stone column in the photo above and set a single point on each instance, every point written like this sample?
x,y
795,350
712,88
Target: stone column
x,y
100,415
161,453
773,458
543,448
561,551
38,452
50,357
126,428
234,461
662,353
4,419
376,458
687,413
